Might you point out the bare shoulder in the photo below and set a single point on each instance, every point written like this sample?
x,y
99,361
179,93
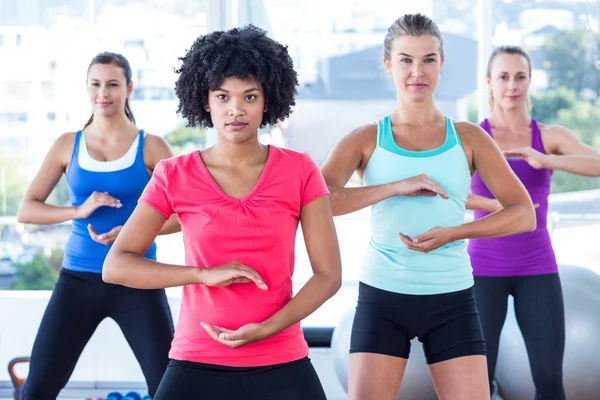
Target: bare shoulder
x,y
470,133
554,130
364,134
156,148
63,146
66,139
560,140
155,141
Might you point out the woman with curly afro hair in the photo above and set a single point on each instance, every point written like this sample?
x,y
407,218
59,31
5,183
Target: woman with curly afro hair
x,y
239,204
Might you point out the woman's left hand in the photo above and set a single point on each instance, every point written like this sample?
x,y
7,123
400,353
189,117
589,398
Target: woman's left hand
x,y
428,241
244,335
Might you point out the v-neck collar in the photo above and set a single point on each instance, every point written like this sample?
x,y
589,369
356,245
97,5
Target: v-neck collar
x,y
263,175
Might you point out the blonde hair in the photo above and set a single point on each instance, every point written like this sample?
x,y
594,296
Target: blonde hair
x,y
412,25
517,50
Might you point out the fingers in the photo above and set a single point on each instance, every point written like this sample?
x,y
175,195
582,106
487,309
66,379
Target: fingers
x,y
405,239
104,199
241,279
247,274
212,332
92,231
515,152
223,336
430,184
536,205
423,246
105,238
423,237
112,234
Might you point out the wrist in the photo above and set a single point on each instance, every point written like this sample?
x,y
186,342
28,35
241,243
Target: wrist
x,y
200,275
548,161
268,327
74,212
395,189
455,233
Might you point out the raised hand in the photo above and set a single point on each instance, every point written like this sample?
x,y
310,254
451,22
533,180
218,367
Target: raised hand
x,y
95,201
533,157
231,273
420,185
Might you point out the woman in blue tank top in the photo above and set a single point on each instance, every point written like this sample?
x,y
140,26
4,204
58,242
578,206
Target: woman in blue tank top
x,y
416,279
107,166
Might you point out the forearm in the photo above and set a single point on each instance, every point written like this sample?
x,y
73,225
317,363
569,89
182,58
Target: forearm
x,y
135,271
319,288
476,202
510,220
348,200
585,165
37,212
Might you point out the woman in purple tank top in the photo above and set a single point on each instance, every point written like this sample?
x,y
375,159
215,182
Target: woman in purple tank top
x,y
524,265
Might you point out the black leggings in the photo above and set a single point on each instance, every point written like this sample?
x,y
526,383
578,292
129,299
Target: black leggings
x,y
79,302
296,380
540,314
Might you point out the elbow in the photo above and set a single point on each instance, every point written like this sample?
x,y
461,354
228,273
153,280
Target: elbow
x,y
335,282
22,215
110,270
335,211
527,218
336,285
333,201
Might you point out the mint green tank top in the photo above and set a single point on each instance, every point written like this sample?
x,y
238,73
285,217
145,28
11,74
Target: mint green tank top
x,y
388,264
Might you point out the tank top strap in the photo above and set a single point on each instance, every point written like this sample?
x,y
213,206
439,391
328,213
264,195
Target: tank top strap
x,y
384,130
485,125
454,138
536,137
74,162
140,149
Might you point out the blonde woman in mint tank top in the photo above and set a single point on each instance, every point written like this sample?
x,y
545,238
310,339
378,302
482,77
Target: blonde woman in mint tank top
x,y
416,278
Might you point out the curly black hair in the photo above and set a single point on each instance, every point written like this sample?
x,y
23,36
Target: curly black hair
x,y
241,53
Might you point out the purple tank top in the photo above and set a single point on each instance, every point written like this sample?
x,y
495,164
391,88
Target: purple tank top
x,y
527,253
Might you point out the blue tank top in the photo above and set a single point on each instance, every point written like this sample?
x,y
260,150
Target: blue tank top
x,y
388,264
81,252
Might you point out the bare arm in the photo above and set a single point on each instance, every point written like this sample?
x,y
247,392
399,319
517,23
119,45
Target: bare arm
x,y
476,202
125,263
171,226
517,214
345,158
158,149
322,246
570,154
324,254
565,153
349,155
33,208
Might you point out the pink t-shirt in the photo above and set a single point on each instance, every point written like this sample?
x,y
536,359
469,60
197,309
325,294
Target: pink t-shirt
x,y
258,230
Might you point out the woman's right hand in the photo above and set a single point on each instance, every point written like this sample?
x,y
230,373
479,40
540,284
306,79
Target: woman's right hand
x,y
95,201
229,274
420,185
